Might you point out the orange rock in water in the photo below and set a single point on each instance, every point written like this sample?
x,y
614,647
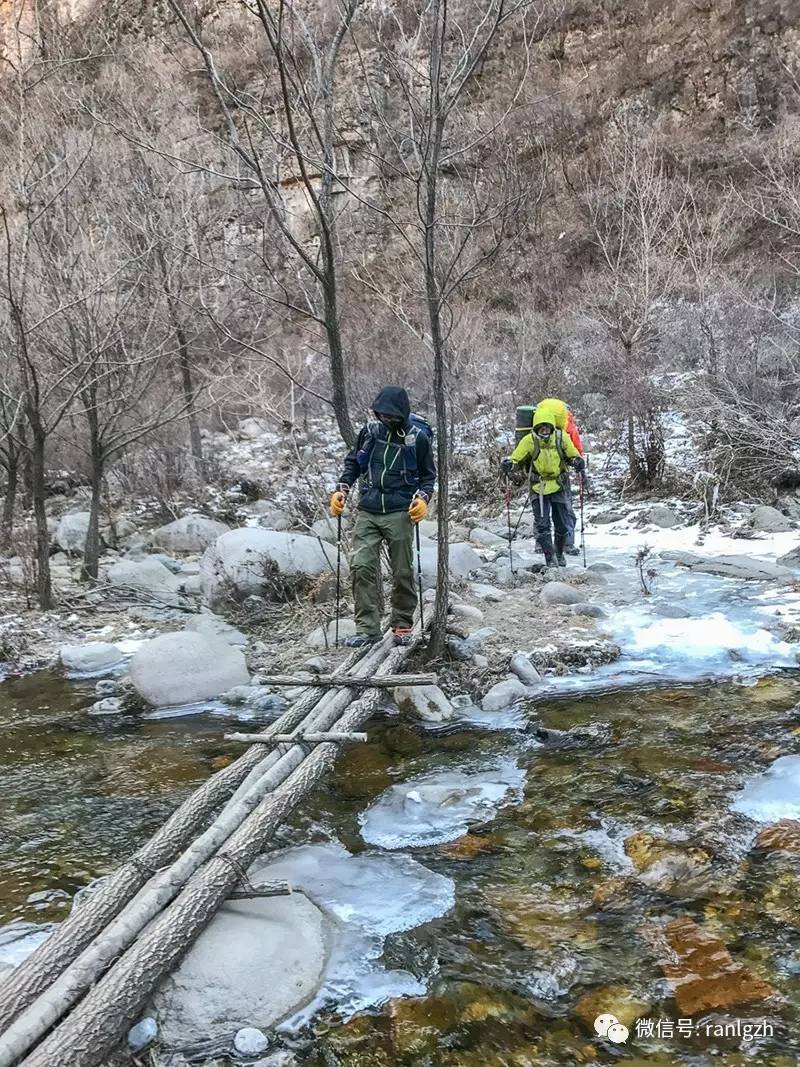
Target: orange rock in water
x,y
783,836
704,975
471,845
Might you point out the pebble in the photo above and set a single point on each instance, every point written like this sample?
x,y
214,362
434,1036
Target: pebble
x,y
107,706
250,1042
142,1034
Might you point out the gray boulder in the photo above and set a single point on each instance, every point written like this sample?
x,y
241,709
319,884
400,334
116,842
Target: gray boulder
x,y
560,593
768,519
601,567
463,561
425,702
605,518
588,611
466,613
791,559
227,980
172,564
190,533
325,636
504,694
182,668
662,516
485,538
523,668
246,562
145,576
487,593
89,658
430,528
216,626
70,532
745,567
107,706
324,529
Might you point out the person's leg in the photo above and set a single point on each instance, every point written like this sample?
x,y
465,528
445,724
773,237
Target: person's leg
x,y
364,571
541,516
398,532
571,517
560,511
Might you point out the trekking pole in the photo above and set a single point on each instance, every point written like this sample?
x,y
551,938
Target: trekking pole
x,y
419,579
521,514
583,532
508,519
338,574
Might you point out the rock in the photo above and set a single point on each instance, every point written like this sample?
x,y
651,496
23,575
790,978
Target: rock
x,y
172,564
425,702
107,706
325,636
460,649
190,533
253,696
142,1034
70,532
108,687
316,664
471,845
487,592
615,1000
251,560
605,518
662,865
662,516
523,668
588,611
731,566
182,668
560,593
92,657
781,836
430,528
227,980
485,538
252,428
791,559
481,662
703,974
216,626
145,576
601,568
282,1057
463,560
467,612
504,694
250,1042
768,519
325,529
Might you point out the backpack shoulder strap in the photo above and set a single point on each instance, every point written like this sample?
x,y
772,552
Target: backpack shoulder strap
x,y
560,446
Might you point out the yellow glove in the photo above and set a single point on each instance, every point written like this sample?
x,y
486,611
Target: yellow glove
x,y
418,509
338,501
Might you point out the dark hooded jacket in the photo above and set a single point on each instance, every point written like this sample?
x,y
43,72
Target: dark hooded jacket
x,y
393,465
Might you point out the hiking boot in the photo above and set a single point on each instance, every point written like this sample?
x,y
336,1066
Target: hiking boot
x,y
572,551
361,640
550,559
401,635
560,559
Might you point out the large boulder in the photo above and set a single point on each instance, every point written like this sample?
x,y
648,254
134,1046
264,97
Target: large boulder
x,y
325,636
745,567
70,533
503,694
251,560
190,533
90,658
145,576
486,539
425,702
463,561
660,515
768,519
227,980
560,593
791,559
182,668
216,626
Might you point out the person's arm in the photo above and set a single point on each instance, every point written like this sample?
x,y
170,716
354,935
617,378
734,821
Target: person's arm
x,y
426,467
523,450
351,469
574,434
574,458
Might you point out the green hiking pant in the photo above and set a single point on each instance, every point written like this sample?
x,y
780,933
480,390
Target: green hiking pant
x,y
397,530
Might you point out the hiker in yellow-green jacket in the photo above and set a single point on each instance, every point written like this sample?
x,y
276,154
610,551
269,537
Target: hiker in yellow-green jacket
x,y
550,453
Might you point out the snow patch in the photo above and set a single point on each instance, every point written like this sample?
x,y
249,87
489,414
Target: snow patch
x,y
773,795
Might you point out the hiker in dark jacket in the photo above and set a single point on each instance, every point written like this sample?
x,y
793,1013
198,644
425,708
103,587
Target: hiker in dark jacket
x,y
393,459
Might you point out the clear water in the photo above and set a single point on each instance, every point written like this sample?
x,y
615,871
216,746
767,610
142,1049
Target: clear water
x,y
549,908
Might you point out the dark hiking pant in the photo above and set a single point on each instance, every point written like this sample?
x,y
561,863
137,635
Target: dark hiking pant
x,y
546,510
572,518
397,530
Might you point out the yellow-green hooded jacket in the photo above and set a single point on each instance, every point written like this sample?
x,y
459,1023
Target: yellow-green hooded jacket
x,y
548,465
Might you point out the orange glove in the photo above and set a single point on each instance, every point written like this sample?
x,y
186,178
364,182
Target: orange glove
x,y
338,501
418,509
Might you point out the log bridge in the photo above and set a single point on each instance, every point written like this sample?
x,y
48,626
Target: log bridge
x,y
73,1000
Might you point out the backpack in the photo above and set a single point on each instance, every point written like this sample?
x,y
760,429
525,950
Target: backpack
x,y
537,447
418,425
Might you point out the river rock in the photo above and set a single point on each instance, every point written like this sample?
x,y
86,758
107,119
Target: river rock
x,y
504,694
781,836
466,612
791,559
250,1042
227,980
485,538
324,529
662,516
560,593
325,636
190,533
601,567
107,706
142,1034
487,593
664,866
523,668
429,528
463,561
182,668
70,532
703,974
145,576
425,702
615,1000
588,611
247,562
216,626
92,657
768,519
744,567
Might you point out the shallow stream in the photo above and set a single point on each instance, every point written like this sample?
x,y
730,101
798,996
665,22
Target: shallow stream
x,y
558,906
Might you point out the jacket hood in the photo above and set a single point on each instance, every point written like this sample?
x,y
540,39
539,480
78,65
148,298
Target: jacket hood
x,y
393,401
546,412
559,410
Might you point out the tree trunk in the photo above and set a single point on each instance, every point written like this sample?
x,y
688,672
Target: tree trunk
x,y
189,396
338,373
91,551
9,502
44,589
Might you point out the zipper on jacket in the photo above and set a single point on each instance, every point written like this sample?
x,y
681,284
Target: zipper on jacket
x,y
383,475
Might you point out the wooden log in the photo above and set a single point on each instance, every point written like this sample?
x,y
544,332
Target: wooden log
x,y
20,987
299,737
84,971
116,1001
388,681
265,889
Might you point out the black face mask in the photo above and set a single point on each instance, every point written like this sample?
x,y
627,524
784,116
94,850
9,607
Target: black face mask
x,y
543,431
390,422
